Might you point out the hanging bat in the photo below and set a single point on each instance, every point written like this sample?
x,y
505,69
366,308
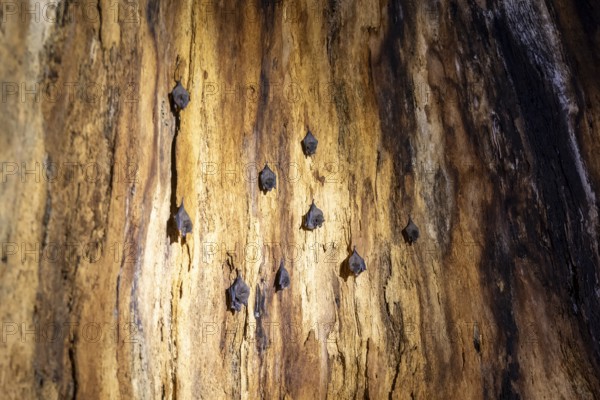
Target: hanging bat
x,y
356,263
238,294
267,179
183,221
282,279
181,97
313,218
411,232
309,144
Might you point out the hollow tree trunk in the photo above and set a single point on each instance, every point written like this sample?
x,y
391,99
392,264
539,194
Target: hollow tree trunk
x,y
478,119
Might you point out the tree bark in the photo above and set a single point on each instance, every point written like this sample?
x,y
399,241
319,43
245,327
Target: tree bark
x,y
477,119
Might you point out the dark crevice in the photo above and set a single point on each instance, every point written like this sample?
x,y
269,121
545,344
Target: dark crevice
x,y
262,340
172,231
394,381
498,265
174,383
333,33
152,16
99,9
74,382
117,290
393,320
589,16
63,15
46,218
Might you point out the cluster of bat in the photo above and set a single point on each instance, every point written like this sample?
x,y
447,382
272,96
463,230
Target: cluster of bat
x,y
239,291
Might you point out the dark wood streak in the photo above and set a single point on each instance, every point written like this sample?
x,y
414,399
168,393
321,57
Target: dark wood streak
x,y
563,194
394,93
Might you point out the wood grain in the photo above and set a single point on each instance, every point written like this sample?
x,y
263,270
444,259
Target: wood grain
x,y
478,119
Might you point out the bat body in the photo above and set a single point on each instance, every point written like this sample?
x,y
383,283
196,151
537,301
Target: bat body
x,y
267,179
238,294
356,263
313,218
411,232
282,279
180,95
184,223
309,144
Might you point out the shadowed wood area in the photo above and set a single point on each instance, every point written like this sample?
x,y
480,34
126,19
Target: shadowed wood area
x,y
476,119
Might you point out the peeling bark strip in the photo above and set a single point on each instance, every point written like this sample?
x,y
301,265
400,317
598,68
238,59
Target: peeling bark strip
x,y
476,120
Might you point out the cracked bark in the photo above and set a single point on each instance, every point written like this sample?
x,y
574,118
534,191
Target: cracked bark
x,y
478,119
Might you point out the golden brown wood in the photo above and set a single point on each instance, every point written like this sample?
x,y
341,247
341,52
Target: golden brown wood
x,y
477,119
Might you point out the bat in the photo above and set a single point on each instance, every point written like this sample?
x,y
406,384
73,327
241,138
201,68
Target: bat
x,y
313,218
309,144
181,97
282,279
183,221
411,232
356,263
267,179
238,294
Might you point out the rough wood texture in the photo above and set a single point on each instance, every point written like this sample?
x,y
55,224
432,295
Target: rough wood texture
x,y
477,118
